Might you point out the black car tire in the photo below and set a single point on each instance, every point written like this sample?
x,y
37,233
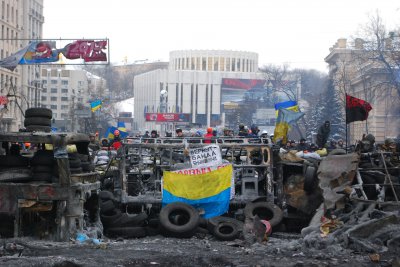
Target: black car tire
x,y
265,211
106,195
74,163
42,176
152,231
110,217
43,157
187,223
226,231
37,121
15,175
75,170
42,168
107,206
38,128
38,112
214,221
13,161
130,220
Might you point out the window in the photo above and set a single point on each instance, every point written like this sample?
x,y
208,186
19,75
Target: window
x,y
64,115
44,98
203,63
53,106
53,81
53,98
64,91
53,90
44,90
216,63
44,81
64,82
64,98
64,107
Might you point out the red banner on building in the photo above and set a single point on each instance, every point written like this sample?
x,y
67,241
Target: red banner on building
x,y
168,117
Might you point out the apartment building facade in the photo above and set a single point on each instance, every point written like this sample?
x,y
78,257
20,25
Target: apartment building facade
x,y
20,22
354,73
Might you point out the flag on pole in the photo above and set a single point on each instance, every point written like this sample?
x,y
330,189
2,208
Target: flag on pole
x,y
122,129
285,119
356,109
95,105
290,105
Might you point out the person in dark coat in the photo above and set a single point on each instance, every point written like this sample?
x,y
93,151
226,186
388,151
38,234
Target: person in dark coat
x,y
302,145
323,134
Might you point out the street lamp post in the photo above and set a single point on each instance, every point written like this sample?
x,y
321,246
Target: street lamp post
x,y
163,108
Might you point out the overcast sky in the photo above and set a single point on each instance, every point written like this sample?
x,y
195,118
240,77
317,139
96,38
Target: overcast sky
x,y
298,32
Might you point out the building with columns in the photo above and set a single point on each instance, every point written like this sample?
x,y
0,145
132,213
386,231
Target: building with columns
x,y
193,85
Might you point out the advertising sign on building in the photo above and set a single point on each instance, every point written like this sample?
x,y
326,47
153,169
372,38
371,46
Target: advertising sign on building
x,y
168,117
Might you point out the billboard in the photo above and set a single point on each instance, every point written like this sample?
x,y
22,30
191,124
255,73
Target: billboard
x,y
59,51
241,84
168,117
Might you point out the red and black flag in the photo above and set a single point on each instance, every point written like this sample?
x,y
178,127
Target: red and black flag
x,y
356,109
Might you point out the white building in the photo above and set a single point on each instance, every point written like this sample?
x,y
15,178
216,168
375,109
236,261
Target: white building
x,y
64,92
193,84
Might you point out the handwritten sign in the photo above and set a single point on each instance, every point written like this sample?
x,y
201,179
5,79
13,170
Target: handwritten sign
x,y
205,156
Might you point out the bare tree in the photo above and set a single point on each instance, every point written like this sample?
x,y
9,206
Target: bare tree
x,y
282,80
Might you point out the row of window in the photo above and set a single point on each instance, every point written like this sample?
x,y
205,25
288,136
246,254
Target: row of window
x,y
5,13
55,90
54,98
214,64
63,82
7,34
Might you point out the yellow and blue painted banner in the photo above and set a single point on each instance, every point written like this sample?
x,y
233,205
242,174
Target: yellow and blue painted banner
x,y
95,105
207,190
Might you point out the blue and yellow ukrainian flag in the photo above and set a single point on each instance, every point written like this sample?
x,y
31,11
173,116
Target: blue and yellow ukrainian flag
x,y
95,105
209,191
290,105
285,119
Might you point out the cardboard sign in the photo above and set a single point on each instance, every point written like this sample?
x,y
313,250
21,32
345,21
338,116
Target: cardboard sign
x,y
205,156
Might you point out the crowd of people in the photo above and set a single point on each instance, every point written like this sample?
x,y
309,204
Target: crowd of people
x,y
322,141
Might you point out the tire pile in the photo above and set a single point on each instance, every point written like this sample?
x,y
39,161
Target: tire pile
x,y
20,169
44,166
179,220
118,224
38,119
14,168
79,163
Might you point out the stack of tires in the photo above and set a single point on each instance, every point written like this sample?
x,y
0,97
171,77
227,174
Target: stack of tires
x,y
14,168
43,166
118,224
75,166
38,119
86,164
